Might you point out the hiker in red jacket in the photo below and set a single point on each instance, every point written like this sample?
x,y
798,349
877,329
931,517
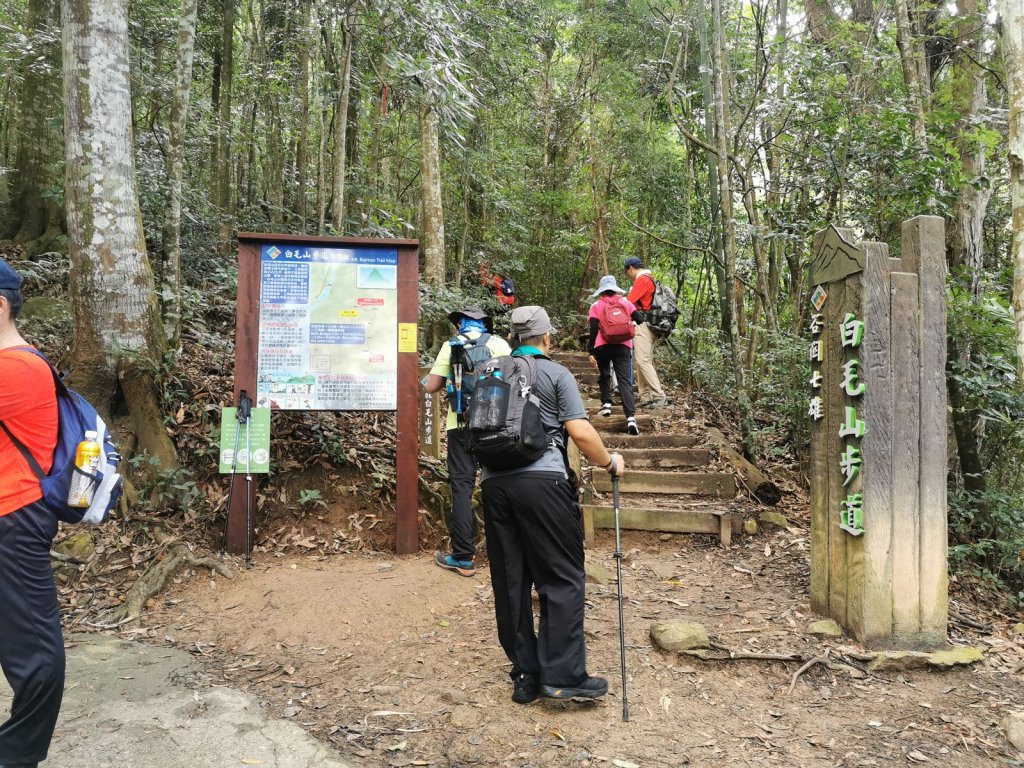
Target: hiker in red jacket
x,y
613,321
31,645
642,295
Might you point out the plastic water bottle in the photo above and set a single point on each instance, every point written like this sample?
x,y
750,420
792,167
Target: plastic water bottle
x,y
83,482
493,393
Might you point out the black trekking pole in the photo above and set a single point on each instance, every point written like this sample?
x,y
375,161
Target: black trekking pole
x,y
244,416
618,579
231,484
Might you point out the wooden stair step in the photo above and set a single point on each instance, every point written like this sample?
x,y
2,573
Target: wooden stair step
x,y
617,422
715,521
664,458
718,484
659,440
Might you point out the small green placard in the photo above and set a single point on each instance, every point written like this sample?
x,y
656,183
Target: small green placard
x,y
253,447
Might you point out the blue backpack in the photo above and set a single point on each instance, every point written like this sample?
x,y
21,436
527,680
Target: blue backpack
x,y
75,417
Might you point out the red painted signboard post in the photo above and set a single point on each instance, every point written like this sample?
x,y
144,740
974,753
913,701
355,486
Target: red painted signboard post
x,y
281,267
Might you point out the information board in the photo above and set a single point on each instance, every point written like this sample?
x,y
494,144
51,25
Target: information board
x,y
328,328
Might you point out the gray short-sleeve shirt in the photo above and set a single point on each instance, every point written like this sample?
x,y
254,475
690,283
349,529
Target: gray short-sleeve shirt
x,y
560,402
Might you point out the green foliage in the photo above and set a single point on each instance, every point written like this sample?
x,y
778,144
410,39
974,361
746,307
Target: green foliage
x,y
311,498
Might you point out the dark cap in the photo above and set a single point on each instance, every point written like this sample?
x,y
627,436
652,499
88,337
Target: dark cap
x,y
10,280
633,261
473,313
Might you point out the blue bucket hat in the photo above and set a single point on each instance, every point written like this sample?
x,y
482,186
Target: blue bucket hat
x,y
10,280
607,284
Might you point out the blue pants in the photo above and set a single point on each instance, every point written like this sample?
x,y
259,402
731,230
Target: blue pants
x,y
31,644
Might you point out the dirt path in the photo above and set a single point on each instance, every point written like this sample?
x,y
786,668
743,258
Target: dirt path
x,y
395,662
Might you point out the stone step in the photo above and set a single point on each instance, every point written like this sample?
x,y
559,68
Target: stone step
x,y
715,521
664,458
717,484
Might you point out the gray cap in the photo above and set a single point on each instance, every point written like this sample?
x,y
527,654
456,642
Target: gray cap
x,y
528,322
607,284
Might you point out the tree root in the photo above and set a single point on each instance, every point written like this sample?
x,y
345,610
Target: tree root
x,y
176,555
796,675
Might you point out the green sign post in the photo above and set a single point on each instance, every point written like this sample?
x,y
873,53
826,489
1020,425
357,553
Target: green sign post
x,y
253,448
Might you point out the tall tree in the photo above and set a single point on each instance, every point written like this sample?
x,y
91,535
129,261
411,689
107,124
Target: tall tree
x,y
433,212
170,273
221,171
1012,14
118,335
341,106
35,217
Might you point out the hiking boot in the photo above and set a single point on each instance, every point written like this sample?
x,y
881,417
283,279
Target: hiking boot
x,y
527,689
606,409
656,404
461,567
631,426
591,688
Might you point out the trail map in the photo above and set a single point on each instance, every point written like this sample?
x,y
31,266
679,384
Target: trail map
x,y
328,336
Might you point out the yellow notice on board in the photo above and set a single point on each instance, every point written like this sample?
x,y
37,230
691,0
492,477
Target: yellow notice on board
x,y
407,337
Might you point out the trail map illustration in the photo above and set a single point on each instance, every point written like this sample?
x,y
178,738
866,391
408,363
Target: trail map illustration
x,y
328,335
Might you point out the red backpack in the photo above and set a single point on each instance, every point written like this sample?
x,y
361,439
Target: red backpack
x,y
613,321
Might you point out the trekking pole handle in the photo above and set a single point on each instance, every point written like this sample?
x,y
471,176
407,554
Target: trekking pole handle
x,y
615,465
244,407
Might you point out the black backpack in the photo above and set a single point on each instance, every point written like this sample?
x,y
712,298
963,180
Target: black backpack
x,y
504,418
468,357
664,311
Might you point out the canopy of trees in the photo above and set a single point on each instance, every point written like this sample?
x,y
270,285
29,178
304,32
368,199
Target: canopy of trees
x,y
549,139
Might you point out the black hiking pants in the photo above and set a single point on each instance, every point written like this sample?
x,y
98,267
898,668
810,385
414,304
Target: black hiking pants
x,y
31,645
619,357
534,533
462,466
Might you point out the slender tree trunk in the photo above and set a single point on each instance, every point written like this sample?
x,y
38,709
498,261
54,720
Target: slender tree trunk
x,y
222,157
36,218
119,341
433,214
170,274
910,51
306,42
964,232
728,225
341,127
1012,13
714,199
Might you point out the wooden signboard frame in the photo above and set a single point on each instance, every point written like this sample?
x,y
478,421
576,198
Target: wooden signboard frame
x,y
247,318
878,441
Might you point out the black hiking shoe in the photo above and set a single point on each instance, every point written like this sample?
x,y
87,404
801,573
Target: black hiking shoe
x,y
526,689
591,688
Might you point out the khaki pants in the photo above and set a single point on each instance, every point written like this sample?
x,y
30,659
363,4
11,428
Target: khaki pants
x,y
643,362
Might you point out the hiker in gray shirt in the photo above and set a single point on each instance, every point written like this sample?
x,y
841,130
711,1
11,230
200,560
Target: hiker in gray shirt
x,y
534,529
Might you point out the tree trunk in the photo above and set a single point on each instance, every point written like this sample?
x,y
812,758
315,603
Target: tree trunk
x,y
36,217
714,200
433,214
964,233
1012,13
910,51
118,336
221,170
341,127
306,42
170,274
728,226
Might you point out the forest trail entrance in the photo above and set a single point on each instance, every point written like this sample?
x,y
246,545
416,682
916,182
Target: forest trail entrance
x,y
671,483
395,662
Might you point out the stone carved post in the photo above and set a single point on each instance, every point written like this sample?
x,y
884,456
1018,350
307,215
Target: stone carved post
x,y
878,436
